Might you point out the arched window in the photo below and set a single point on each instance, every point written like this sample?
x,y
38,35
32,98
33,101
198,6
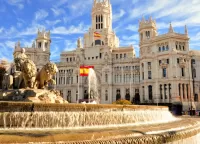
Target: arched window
x,y
97,42
163,48
150,92
164,72
165,91
194,73
159,49
106,95
106,78
127,96
183,88
196,98
193,61
118,94
161,95
167,48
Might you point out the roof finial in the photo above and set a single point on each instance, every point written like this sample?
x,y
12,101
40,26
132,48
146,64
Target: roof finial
x,y
171,30
150,18
143,18
186,30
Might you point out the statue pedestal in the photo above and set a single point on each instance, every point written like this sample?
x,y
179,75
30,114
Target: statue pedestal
x,y
32,95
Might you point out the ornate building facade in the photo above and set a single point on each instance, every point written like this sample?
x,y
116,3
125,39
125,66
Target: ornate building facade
x,y
166,72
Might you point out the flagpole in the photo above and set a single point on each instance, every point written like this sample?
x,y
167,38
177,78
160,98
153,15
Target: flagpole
x,y
78,86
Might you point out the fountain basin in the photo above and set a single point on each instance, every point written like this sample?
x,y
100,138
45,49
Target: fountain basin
x,y
83,123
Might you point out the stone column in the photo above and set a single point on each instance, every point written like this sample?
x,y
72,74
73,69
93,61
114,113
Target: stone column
x,y
167,94
145,71
185,91
181,92
65,77
122,75
146,93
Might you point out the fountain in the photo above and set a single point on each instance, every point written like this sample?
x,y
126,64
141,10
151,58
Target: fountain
x,y
50,122
93,85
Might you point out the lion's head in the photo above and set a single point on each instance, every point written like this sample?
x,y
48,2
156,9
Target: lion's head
x,y
19,60
29,68
51,68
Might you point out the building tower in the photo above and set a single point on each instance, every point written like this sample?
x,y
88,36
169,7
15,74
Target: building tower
x,y
43,40
147,29
102,15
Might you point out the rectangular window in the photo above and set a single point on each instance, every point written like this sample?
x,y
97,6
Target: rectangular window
x,y
159,49
100,55
149,74
116,56
142,75
182,72
124,55
46,45
39,45
120,56
160,62
149,65
106,95
164,72
178,60
167,61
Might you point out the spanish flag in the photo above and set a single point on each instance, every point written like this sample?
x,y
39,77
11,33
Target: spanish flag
x,y
97,35
84,70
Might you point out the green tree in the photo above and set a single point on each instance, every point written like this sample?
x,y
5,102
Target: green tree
x,y
2,72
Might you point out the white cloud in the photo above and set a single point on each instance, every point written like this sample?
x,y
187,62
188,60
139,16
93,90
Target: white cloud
x,y
196,37
10,44
80,29
61,2
18,3
31,30
52,23
133,28
41,14
58,11
1,29
119,15
132,38
70,45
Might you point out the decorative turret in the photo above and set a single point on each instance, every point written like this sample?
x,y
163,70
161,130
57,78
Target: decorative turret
x,y
43,40
171,30
147,29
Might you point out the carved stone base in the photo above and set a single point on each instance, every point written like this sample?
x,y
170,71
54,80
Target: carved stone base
x,y
32,95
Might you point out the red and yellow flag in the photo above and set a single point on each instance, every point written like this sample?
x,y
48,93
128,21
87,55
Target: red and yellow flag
x,y
84,70
97,35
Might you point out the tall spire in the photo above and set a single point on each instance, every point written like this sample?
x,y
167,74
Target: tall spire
x,y
186,30
171,30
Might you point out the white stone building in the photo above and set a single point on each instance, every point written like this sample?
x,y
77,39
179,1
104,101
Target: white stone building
x,y
166,72
162,73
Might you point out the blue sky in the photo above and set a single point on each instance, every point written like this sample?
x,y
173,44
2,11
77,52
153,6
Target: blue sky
x,y
69,19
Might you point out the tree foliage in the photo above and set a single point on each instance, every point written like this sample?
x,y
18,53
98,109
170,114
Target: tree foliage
x,y
122,102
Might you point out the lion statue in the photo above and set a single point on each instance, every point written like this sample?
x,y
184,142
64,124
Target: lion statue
x,y
28,70
45,75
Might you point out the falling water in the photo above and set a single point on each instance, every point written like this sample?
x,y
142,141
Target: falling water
x,y
92,85
82,119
